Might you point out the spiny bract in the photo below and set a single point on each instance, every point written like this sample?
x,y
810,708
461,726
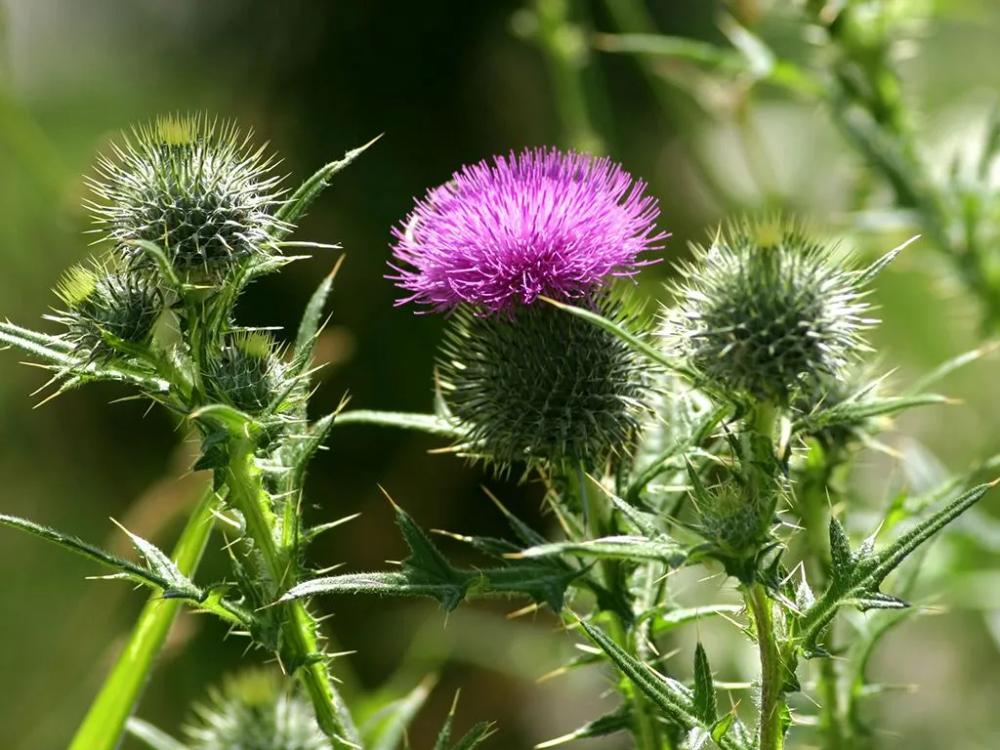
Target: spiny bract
x,y
540,385
107,305
247,373
197,188
254,711
765,312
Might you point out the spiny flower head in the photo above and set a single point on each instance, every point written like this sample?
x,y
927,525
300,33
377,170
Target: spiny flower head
x,y
734,519
255,711
541,222
197,188
540,386
107,305
765,312
248,372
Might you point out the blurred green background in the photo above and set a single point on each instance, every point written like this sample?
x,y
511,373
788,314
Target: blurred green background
x,y
448,83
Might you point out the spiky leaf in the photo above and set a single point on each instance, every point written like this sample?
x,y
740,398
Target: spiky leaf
x,y
673,700
858,576
623,547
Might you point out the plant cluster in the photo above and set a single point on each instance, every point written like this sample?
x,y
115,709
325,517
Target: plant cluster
x,y
706,435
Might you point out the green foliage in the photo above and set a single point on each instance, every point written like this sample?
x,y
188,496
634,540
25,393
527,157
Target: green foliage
x,y
160,572
427,573
677,704
856,576
634,548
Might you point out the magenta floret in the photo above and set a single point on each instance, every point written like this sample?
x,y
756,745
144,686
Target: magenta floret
x,y
541,222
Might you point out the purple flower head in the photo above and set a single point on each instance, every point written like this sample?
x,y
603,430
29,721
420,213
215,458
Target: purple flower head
x,y
541,222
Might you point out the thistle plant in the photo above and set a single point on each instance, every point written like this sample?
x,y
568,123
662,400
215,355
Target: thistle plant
x,y
708,437
189,214
730,429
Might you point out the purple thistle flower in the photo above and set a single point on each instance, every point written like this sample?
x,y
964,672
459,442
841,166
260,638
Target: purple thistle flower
x,y
541,222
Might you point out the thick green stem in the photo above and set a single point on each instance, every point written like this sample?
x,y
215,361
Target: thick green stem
x,y
299,647
770,726
104,724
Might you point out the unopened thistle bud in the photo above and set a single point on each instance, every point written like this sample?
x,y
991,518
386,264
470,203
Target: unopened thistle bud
x,y
542,386
736,521
766,313
255,711
248,373
197,188
108,308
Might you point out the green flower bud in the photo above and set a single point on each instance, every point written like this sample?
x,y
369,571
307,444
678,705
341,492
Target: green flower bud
x,y
764,312
108,309
197,188
248,373
736,521
541,386
255,711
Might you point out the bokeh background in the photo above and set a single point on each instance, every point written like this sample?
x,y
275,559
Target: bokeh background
x,y
447,82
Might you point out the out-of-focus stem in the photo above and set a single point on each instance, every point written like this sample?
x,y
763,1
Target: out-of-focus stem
x,y
104,724
814,490
644,728
565,51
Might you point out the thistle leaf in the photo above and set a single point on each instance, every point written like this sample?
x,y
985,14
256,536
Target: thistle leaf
x,y
858,576
426,572
53,352
636,342
471,740
312,320
295,207
617,721
672,619
476,736
672,698
428,423
634,548
852,411
704,687
160,573
179,585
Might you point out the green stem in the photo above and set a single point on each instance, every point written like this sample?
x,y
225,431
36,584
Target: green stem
x,y
770,726
104,724
299,646
815,487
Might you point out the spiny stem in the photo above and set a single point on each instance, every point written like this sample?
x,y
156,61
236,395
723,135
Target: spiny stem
x,y
770,729
298,628
104,724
